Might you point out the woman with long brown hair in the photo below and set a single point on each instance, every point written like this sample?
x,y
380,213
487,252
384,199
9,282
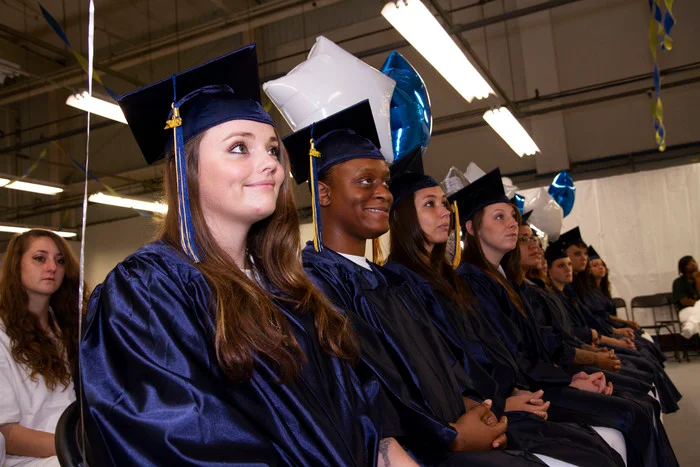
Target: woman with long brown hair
x,y
210,346
38,343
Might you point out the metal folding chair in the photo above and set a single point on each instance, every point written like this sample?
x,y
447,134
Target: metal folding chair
x,y
620,303
654,302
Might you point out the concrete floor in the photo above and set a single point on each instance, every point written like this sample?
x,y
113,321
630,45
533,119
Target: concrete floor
x,y
683,427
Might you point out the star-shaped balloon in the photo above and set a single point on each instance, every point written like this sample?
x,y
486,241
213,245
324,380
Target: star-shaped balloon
x,y
411,118
546,215
329,81
563,191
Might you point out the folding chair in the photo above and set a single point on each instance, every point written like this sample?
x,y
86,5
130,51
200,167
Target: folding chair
x,y
653,302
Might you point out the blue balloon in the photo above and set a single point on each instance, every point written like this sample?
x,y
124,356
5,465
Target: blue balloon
x,y
520,203
563,191
411,118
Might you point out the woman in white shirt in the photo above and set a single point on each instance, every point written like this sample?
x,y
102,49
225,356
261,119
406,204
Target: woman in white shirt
x,y
38,344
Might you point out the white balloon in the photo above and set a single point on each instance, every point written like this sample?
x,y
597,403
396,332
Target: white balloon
x,y
546,215
508,187
329,81
473,172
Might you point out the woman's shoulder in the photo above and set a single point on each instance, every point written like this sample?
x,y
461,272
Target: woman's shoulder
x,y
153,261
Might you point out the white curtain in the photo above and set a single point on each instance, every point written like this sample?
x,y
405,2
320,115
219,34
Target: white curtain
x,y
641,224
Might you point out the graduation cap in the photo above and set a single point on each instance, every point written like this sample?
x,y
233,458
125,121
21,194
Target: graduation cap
x,y
482,192
554,252
343,136
592,254
571,237
407,176
224,89
526,217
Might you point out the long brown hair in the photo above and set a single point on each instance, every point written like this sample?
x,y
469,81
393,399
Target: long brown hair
x,y
248,323
510,263
30,344
408,249
604,282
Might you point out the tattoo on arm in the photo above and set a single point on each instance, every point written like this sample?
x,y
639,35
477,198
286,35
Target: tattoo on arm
x,y
384,450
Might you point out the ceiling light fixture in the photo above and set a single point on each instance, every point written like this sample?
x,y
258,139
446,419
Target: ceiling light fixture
x,y
16,228
131,203
419,27
83,101
512,132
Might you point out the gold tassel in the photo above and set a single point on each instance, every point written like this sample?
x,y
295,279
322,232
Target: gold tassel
x,y
312,180
458,238
376,251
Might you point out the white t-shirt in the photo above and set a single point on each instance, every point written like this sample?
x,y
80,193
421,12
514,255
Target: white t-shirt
x,y
359,260
25,401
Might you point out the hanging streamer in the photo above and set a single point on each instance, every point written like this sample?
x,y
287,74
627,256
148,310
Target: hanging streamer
x,y
82,61
660,25
81,277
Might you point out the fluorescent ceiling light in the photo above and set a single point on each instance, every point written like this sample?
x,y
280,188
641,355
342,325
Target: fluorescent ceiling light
x,y
83,101
420,28
14,228
32,187
512,132
131,203
8,70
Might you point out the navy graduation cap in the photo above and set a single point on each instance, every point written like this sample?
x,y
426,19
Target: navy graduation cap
x,y
526,217
408,176
554,251
466,202
224,89
480,193
343,136
571,237
592,254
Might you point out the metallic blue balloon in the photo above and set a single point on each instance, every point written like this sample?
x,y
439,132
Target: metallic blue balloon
x,y
563,191
520,203
411,118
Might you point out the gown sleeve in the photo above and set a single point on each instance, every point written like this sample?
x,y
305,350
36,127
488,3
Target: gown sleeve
x,y
152,391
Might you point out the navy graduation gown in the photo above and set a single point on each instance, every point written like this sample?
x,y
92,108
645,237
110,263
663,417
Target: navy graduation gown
x,y
575,444
384,302
636,420
154,393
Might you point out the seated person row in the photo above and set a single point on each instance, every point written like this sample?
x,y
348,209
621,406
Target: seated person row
x,y
210,345
354,203
597,310
536,368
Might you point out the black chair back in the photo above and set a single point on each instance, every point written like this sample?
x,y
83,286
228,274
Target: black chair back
x,y
620,303
67,438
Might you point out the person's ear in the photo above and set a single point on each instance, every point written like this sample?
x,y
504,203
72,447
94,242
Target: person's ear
x,y
470,228
324,194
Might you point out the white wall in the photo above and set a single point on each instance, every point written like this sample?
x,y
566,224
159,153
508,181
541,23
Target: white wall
x,y
641,224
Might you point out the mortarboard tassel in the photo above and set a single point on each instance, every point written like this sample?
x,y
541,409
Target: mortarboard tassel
x,y
376,252
458,238
314,155
187,241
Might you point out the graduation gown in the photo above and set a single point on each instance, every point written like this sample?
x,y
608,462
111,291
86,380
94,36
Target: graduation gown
x,y
645,358
154,394
646,445
576,444
554,325
384,302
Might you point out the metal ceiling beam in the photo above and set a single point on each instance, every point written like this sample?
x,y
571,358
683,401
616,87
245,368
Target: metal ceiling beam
x,y
65,54
194,37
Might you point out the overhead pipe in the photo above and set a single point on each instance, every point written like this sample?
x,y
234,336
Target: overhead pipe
x,y
192,38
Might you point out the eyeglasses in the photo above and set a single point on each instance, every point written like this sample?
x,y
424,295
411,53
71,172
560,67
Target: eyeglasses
x,y
528,240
